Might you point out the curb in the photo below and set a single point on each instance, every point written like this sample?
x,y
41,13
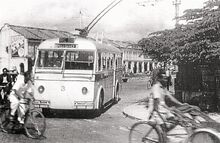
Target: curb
x,y
125,112
129,116
136,111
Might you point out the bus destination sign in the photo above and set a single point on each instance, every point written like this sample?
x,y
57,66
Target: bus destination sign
x,y
59,45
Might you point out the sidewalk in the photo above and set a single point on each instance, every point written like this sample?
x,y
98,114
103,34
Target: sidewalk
x,y
138,111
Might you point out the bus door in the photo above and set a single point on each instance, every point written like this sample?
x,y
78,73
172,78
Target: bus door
x,y
114,74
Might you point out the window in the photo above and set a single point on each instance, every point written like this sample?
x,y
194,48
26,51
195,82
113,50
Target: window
x,y
79,60
103,63
99,61
108,63
50,59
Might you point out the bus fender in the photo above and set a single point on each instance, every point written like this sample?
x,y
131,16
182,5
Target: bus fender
x,y
98,96
116,92
117,85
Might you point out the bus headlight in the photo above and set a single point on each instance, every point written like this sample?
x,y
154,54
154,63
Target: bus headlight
x,y
41,89
84,90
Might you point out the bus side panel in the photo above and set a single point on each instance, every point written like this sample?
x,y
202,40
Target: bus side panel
x,y
108,85
104,80
118,79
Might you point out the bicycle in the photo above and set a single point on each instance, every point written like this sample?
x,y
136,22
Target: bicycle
x,y
34,123
152,131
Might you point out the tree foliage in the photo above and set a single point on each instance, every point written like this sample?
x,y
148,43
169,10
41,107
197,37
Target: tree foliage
x,y
196,40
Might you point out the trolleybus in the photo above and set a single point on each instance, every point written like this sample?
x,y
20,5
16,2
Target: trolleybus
x,y
76,73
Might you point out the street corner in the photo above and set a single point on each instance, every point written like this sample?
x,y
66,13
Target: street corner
x,y
136,111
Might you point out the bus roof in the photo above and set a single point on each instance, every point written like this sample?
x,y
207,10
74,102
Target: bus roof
x,y
81,43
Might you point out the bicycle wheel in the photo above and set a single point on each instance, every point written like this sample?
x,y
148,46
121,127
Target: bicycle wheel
x,y
4,117
204,136
35,124
146,132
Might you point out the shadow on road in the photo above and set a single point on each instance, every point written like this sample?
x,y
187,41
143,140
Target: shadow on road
x,y
74,114
77,114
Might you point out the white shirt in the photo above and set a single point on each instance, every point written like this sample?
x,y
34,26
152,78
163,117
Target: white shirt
x,y
5,79
19,84
167,73
158,91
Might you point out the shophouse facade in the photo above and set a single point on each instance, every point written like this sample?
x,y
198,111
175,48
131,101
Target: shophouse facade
x,y
18,44
134,60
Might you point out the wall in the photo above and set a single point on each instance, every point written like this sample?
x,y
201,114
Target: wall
x,y
199,81
9,42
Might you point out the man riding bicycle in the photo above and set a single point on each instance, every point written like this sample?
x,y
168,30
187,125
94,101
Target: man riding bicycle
x,y
21,90
158,97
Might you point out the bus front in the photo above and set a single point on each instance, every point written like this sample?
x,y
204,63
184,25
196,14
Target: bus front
x,y
63,75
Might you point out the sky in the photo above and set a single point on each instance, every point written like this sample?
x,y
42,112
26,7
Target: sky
x,y
128,21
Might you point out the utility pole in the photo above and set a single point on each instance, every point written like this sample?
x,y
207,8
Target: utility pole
x,y
177,3
80,18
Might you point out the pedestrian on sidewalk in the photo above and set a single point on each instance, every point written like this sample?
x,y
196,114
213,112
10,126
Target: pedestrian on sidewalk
x,y
168,76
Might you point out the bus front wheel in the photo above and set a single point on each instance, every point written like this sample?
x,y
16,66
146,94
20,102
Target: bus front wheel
x,y
100,109
116,94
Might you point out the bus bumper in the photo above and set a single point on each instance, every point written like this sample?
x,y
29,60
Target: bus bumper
x,y
83,105
42,103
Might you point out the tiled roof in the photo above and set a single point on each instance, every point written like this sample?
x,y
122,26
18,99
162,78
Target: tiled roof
x,y
39,33
122,44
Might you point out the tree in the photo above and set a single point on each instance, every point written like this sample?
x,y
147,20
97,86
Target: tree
x,y
195,41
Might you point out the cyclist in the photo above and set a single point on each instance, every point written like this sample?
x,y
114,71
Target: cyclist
x,y
27,94
158,95
5,80
20,90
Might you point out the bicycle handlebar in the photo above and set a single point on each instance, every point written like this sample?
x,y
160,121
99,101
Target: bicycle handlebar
x,y
2,86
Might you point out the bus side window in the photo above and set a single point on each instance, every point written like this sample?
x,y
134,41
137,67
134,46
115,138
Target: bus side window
x,y
99,61
108,63
67,65
111,63
116,63
103,63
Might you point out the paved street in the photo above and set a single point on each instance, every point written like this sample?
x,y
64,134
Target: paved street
x,y
112,126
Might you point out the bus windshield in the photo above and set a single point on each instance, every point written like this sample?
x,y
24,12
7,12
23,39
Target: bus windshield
x,y
74,60
50,59
79,60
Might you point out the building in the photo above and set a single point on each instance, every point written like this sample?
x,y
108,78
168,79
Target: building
x,y
18,44
133,58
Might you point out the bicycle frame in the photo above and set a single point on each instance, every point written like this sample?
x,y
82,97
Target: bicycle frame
x,y
182,119
192,126
33,128
7,107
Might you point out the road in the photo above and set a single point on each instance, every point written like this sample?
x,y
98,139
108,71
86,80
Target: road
x,y
69,127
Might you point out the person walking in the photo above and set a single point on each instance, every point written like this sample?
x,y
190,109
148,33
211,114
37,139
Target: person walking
x,y
168,76
6,82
